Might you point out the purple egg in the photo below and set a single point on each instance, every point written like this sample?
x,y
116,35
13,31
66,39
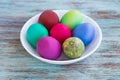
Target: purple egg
x,y
49,48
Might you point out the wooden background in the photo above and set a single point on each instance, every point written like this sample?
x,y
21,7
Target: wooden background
x,y
17,64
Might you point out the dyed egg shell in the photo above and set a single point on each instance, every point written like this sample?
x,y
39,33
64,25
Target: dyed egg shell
x,y
49,48
34,33
85,32
73,47
72,19
48,18
60,32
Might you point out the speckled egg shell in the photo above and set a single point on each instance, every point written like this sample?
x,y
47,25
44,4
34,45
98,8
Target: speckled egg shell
x,y
73,47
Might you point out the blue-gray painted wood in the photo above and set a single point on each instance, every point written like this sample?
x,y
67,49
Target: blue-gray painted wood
x,y
17,64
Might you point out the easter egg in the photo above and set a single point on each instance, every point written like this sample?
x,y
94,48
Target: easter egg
x,y
72,19
48,18
60,32
35,32
49,48
73,47
85,32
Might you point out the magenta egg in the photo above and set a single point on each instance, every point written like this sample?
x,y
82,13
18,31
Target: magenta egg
x,y
49,48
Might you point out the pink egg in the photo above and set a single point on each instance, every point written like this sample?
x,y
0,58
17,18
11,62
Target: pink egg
x,y
49,48
60,32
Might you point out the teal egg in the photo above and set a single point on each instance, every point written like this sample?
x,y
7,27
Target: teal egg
x,y
35,32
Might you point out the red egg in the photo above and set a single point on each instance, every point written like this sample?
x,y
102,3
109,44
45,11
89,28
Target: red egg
x,y
60,32
48,18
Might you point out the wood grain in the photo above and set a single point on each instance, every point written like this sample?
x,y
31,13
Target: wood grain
x,y
17,64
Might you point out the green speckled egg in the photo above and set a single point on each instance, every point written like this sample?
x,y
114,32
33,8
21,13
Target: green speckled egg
x,y
72,18
73,47
34,33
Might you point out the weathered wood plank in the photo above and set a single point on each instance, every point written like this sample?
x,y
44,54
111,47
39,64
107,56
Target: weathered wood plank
x,y
17,64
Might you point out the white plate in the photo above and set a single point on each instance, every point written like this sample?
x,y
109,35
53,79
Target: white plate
x,y
62,60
